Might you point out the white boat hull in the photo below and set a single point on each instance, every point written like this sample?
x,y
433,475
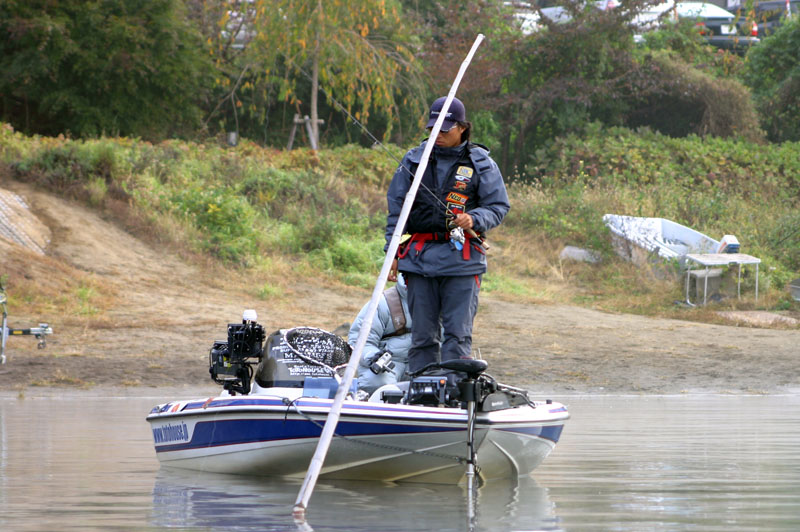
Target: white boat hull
x,y
638,239
267,435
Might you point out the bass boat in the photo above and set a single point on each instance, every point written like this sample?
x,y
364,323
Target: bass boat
x,y
278,390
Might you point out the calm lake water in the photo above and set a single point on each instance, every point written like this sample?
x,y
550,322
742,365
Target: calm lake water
x,y
624,463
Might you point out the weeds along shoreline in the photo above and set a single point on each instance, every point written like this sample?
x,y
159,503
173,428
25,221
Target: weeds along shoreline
x,y
291,214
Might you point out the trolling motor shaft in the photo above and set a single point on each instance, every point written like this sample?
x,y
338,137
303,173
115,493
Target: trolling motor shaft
x,y
470,391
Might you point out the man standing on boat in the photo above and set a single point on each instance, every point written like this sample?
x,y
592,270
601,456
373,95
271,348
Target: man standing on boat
x,y
390,333
461,196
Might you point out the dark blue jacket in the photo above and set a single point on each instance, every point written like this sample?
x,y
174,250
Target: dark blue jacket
x,y
484,198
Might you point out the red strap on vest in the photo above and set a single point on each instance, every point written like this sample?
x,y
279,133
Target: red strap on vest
x,y
419,240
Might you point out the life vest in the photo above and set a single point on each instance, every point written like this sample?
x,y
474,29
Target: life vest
x,y
459,193
428,221
392,297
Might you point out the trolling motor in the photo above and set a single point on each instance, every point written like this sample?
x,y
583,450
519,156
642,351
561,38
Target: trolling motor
x,y
39,332
470,392
231,362
429,386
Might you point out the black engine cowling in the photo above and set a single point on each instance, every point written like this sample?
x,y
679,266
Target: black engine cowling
x,y
230,362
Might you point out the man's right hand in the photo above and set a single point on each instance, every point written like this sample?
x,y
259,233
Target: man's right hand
x,y
393,272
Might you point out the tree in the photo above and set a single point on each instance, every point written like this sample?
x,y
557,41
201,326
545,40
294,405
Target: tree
x,y
92,67
449,28
570,73
357,52
773,73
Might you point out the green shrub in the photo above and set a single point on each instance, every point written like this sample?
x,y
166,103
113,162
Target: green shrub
x,y
91,68
688,101
325,212
347,255
680,37
570,73
682,41
225,219
565,211
773,72
714,185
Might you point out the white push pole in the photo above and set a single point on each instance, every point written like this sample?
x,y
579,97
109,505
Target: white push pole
x,y
315,466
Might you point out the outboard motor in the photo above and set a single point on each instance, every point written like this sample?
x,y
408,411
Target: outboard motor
x,y
230,363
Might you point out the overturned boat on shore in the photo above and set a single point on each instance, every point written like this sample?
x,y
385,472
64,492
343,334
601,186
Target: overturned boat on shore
x,y
637,239
278,391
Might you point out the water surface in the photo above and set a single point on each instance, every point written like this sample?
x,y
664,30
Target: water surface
x,y
624,463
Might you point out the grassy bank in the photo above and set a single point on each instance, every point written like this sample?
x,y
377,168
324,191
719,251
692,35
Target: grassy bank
x,y
280,215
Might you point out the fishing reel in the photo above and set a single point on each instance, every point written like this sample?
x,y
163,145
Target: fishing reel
x,y
230,362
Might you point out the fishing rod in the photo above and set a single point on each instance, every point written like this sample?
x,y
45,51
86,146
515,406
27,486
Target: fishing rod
x,y
447,210
332,419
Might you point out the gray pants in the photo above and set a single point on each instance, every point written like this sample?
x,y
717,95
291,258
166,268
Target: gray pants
x,y
441,304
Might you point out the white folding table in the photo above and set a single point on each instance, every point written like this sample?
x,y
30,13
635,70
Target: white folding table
x,y
719,259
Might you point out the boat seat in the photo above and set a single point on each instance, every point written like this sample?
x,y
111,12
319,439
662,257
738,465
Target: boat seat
x,y
473,367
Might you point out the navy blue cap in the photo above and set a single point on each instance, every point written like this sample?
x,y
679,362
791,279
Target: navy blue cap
x,y
455,113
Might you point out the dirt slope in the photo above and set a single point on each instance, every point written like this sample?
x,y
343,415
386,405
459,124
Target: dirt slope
x,y
162,315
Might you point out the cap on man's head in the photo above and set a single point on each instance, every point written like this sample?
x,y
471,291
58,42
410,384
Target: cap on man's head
x,y
455,113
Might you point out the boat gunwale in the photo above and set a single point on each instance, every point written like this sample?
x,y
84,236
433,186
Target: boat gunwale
x,y
420,414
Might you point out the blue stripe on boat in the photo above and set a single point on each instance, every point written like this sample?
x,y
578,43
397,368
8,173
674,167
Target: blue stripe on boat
x,y
240,431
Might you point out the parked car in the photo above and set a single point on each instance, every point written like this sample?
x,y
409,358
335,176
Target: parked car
x,y
529,22
718,26
771,13
550,9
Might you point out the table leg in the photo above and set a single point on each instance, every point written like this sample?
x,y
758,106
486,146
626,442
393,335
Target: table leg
x,y
739,283
756,281
688,280
705,288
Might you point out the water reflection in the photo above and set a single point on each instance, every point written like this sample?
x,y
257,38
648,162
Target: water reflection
x,y
225,502
678,463
624,463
